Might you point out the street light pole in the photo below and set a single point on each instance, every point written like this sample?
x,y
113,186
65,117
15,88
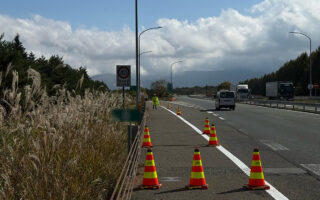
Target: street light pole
x,y
138,76
171,70
139,63
137,55
294,32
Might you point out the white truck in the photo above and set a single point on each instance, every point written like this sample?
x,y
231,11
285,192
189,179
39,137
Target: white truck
x,y
280,90
242,91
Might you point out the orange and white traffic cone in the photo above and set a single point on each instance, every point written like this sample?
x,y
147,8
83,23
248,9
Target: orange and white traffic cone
x,y
150,177
146,142
168,106
179,111
197,180
256,180
213,140
206,129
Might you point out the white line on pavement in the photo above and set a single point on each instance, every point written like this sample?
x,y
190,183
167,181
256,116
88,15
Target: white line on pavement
x,y
315,168
215,115
209,112
274,146
273,191
222,118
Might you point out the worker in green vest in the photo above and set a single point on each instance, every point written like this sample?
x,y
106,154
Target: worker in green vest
x,y
155,101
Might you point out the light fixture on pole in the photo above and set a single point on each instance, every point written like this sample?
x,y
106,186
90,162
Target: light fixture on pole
x,y
310,83
138,63
144,52
171,70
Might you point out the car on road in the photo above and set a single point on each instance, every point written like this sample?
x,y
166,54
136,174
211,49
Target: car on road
x,y
225,99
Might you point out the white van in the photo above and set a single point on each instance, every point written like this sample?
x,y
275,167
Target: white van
x,y
225,99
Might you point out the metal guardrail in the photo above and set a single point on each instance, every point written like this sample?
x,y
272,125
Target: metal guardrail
x,y
125,182
289,105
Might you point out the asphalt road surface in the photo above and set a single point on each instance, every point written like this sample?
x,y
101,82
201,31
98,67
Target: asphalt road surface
x,y
289,144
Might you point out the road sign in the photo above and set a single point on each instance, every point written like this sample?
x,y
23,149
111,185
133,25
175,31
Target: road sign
x,y
128,115
316,85
310,86
123,75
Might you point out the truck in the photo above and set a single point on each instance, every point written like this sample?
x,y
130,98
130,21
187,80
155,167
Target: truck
x,y
242,91
280,90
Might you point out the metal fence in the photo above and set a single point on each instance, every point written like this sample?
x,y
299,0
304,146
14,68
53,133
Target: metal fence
x,y
289,105
125,183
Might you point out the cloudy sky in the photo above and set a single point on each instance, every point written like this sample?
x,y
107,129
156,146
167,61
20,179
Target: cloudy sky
x,y
205,34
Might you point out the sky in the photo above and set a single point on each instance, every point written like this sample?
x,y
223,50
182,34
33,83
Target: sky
x,y
205,34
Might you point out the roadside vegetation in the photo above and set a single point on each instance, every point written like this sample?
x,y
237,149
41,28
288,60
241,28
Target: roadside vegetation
x,y
58,146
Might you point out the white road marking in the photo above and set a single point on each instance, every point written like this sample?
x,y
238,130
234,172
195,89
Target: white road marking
x,y
221,118
315,168
273,191
215,115
274,146
210,112
170,179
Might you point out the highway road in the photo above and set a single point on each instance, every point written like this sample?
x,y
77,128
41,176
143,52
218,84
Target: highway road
x,y
289,144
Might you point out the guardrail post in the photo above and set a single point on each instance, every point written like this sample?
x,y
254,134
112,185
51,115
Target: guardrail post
x,y
132,132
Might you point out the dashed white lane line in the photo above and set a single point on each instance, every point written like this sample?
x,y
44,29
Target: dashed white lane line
x,y
215,115
170,179
210,112
274,146
315,168
273,191
221,118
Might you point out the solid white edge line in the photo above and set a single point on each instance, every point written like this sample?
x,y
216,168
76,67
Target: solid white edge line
x,y
273,191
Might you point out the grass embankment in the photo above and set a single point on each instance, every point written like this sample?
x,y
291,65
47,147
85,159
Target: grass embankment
x,y
60,147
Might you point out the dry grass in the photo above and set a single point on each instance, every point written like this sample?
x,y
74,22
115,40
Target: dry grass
x,y
60,147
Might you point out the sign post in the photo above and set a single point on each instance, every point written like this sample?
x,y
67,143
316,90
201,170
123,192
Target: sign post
x,y
123,79
316,87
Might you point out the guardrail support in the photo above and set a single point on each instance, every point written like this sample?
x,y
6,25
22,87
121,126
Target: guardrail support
x,y
132,132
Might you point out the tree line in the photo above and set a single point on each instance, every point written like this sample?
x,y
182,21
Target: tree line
x,y
54,72
296,70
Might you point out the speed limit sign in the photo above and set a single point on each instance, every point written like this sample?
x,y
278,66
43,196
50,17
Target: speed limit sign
x,y
123,75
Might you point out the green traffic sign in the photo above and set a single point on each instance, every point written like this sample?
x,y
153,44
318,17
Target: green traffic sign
x,y
126,115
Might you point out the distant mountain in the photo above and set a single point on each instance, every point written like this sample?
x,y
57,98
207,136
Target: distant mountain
x,y
189,78
202,78
109,79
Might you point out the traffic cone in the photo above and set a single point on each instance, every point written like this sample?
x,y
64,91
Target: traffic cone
x,y
197,180
150,178
168,106
146,142
213,140
256,179
206,129
179,111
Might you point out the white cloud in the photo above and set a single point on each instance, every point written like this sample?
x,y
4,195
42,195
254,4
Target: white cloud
x,y
259,41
